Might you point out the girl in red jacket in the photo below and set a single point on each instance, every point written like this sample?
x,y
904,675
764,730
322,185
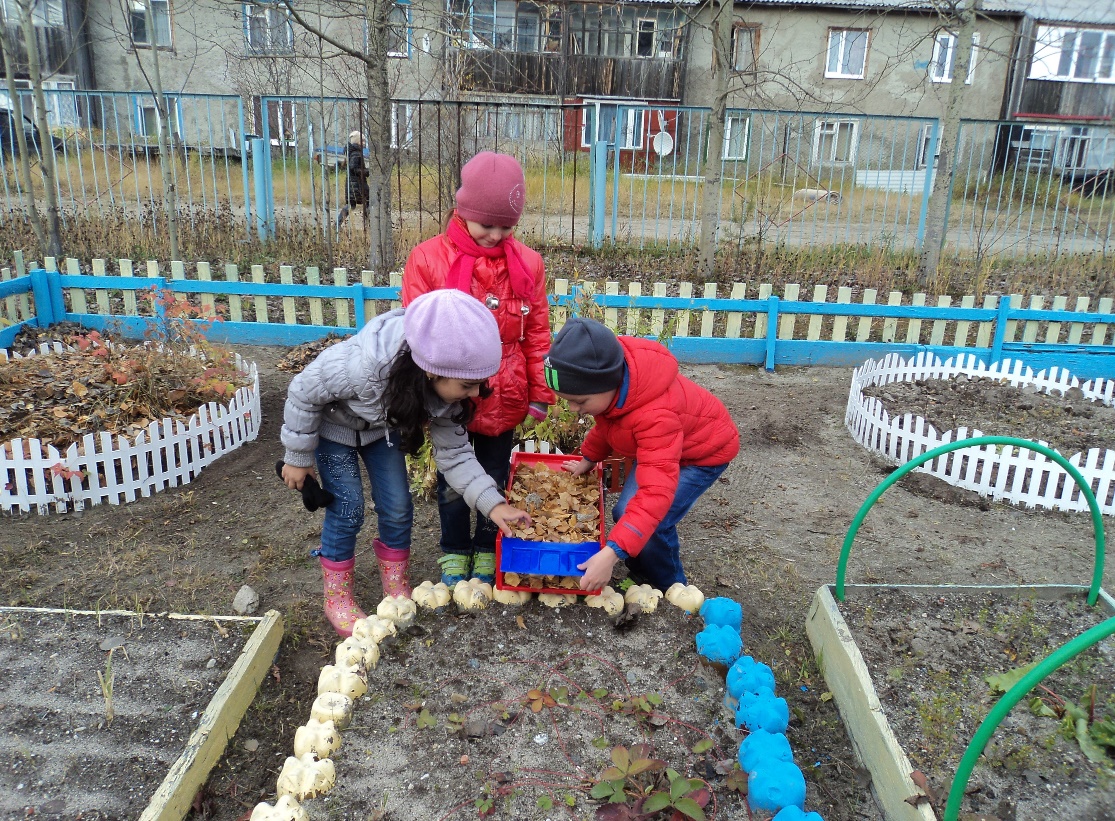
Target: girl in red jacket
x,y
478,255
680,436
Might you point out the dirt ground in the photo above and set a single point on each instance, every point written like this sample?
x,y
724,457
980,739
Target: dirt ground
x,y
768,535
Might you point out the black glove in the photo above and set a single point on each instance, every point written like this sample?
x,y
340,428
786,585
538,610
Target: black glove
x,y
313,494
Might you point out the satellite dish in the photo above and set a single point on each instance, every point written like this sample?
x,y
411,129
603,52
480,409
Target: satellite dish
x,y
662,143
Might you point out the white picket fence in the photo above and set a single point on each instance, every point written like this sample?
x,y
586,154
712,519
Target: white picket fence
x,y
106,468
1004,472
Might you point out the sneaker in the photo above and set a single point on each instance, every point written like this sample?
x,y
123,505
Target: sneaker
x,y
484,567
454,568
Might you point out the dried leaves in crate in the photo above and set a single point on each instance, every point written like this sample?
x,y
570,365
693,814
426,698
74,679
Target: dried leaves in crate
x,y
563,507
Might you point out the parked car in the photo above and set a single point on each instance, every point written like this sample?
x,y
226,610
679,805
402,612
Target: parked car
x,y
9,141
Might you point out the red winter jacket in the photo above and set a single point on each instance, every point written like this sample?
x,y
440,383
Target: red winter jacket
x,y
666,422
526,338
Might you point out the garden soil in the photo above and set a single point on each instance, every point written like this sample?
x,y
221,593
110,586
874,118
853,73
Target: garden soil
x,y
768,534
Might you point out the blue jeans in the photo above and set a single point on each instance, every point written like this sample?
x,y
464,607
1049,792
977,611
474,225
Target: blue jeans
x,y
494,455
339,468
659,562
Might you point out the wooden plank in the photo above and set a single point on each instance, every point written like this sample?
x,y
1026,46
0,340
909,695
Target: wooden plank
x,y
313,277
863,327
559,314
820,294
611,315
1053,330
708,318
101,294
685,291
1099,333
739,291
786,322
77,295
1076,329
344,315
960,338
368,280
658,315
840,322
634,315
9,301
130,307
986,329
259,303
235,302
208,301
849,680
913,329
174,797
395,280
178,271
890,323
286,277
937,330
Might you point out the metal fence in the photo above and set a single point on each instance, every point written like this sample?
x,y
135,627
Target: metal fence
x,y
597,172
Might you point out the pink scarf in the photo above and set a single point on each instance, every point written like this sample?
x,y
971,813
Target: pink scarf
x,y
460,272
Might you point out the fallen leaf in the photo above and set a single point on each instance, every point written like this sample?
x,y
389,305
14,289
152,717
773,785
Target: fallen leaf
x,y
519,621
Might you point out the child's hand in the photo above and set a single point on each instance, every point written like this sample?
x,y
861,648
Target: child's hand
x,y
294,477
504,515
598,569
578,467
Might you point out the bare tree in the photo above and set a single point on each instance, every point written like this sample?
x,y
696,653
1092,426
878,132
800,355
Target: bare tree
x,y
721,68
50,239
963,16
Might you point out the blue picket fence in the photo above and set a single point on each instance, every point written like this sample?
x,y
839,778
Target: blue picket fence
x,y
753,331
597,172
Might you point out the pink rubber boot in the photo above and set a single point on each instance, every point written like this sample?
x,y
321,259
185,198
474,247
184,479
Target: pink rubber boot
x,y
340,608
393,563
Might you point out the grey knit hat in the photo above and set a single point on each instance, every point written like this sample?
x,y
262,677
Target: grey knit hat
x,y
585,358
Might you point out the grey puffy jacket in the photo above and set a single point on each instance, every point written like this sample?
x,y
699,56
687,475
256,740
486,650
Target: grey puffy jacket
x,y
339,397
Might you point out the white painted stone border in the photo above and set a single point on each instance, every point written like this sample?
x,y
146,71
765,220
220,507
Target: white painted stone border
x,y
169,453
1004,473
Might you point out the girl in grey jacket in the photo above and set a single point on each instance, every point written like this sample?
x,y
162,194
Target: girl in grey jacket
x,y
371,399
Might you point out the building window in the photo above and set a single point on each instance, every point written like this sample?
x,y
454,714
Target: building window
x,y
402,125
745,42
1078,55
268,29
644,38
280,121
921,151
44,13
736,127
599,123
834,142
399,31
147,120
160,19
943,63
847,53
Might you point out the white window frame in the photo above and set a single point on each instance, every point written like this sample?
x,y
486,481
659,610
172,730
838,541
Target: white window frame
x,y
921,150
1049,55
44,13
143,103
408,126
633,123
138,7
943,62
731,122
753,35
640,31
826,127
252,11
395,26
839,37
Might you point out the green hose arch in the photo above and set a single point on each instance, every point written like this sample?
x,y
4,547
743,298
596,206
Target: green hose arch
x,y
1093,506
986,729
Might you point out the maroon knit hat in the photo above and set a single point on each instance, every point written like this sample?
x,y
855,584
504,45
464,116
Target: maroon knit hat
x,y
493,189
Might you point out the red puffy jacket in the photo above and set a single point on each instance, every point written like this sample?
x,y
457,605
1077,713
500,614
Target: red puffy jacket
x,y
666,422
525,337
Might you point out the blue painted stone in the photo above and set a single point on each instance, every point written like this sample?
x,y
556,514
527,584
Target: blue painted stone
x,y
793,813
776,785
722,611
763,711
720,644
749,676
761,747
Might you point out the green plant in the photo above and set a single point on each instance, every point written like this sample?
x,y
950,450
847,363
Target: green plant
x,y
638,785
107,681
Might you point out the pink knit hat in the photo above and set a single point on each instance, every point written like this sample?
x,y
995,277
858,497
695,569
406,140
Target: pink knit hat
x,y
452,334
493,189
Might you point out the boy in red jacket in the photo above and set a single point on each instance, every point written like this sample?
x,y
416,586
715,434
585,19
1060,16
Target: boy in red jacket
x,y
680,436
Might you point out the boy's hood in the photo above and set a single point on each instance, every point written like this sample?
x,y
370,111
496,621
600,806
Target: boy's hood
x,y
651,369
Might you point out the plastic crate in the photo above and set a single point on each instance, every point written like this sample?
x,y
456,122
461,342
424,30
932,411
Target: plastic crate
x,y
529,557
